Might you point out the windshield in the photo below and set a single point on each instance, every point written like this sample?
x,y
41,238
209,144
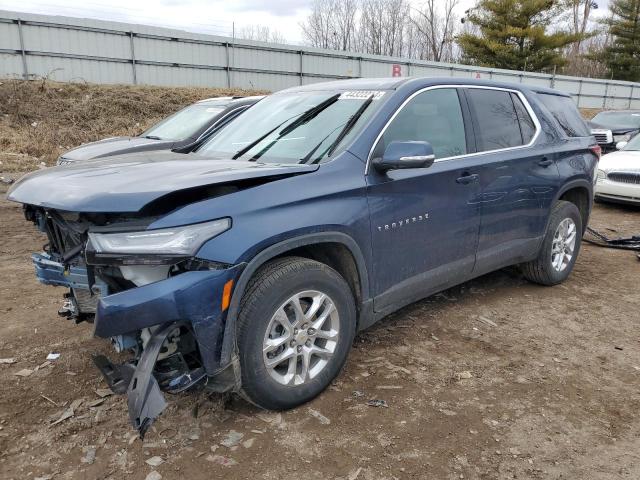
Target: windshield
x,y
634,144
618,119
298,127
184,123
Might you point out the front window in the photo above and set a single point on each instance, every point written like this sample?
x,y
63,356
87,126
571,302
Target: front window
x,y
297,127
185,123
618,119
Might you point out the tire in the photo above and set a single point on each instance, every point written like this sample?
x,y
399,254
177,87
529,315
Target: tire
x,y
542,270
267,305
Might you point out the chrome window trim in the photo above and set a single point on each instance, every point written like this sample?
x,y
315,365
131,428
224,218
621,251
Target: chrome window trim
x,y
520,95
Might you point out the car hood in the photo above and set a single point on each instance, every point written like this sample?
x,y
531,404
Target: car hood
x,y
111,146
623,160
127,183
615,129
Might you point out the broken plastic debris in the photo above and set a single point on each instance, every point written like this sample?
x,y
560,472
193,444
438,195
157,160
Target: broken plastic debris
x,y
25,372
8,361
53,356
222,460
154,461
377,403
232,439
104,392
321,418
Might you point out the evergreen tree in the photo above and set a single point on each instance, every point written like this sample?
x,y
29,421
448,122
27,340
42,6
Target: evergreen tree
x,y
623,55
513,34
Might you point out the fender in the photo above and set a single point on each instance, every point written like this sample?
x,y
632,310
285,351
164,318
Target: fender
x,y
578,182
229,342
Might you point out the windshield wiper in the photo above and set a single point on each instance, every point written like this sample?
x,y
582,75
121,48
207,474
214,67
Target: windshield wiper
x,y
304,118
152,137
343,133
352,121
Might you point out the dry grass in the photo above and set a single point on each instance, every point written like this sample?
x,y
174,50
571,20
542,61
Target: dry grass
x,y
41,119
589,113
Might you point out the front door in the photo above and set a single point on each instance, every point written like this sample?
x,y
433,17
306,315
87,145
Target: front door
x,y
424,221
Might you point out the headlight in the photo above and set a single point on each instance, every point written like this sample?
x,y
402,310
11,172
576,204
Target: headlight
x,y
176,241
601,176
622,138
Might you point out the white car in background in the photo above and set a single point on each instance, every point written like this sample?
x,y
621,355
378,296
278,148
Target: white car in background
x,y
618,176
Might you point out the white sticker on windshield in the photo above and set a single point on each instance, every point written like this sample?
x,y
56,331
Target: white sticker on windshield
x,y
362,95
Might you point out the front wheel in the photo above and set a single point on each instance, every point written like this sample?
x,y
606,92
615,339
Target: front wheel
x,y
560,246
295,327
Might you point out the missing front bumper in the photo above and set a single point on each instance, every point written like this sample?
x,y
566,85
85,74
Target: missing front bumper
x,y
191,301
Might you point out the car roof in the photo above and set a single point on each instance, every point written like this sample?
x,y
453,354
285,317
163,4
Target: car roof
x,y
417,82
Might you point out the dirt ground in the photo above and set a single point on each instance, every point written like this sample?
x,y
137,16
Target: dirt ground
x,y
494,379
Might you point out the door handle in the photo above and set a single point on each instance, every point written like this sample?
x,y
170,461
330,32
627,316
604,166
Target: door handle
x,y
467,179
545,162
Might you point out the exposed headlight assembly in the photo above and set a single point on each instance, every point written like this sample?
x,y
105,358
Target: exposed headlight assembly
x,y
183,241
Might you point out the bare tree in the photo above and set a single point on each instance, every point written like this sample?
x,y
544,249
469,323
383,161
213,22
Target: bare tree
x,y
437,28
331,24
261,33
382,26
579,13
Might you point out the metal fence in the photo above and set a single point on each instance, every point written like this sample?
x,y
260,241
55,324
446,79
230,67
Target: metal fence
x,y
96,51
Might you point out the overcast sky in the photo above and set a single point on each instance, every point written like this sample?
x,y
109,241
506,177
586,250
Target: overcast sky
x,y
206,16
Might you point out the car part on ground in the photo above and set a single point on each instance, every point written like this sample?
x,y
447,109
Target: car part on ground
x,y
249,266
623,243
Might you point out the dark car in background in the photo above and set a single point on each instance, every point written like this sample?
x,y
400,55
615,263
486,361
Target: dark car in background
x,y
613,126
184,131
250,264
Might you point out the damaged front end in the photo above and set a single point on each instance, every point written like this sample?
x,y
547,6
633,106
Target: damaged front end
x,y
146,291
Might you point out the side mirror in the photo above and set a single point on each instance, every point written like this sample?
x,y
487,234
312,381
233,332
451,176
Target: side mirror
x,y
621,145
400,155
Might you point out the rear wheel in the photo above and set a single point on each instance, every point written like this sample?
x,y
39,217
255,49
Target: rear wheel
x,y
560,246
295,327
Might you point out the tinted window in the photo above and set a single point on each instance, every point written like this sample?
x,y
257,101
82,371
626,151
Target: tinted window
x,y
566,113
433,116
527,127
497,121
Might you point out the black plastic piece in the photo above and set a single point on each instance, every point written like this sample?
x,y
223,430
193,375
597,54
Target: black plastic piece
x,y
117,377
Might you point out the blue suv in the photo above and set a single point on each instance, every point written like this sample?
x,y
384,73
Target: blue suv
x,y
250,265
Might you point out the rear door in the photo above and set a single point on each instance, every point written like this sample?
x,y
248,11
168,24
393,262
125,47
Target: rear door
x,y
517,176
424,221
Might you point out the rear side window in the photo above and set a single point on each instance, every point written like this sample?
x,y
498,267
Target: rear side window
x,y
497,124
434,116
566,113
527,127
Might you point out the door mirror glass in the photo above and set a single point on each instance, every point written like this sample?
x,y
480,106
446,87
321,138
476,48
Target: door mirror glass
x,y
399,155
620,145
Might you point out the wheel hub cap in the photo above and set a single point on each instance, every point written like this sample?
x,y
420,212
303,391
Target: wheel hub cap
x,y
301,337
563,245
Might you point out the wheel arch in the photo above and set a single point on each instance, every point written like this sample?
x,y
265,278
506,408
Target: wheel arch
x,y
580,193
336,249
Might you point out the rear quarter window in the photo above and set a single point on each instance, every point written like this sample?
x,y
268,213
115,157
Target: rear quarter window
x,y
566,113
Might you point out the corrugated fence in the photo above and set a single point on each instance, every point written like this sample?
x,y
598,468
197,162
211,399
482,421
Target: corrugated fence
x,y
96,51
